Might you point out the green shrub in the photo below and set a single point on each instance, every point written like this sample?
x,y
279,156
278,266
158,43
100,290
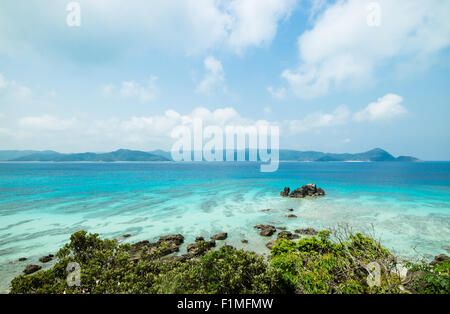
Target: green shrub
x,y
314,265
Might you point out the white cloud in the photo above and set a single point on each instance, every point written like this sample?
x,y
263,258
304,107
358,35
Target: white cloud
x,y
342,49
108,89
254,22
385,108
319,119
153,131
13,89
214,79
143,91
277,93
46,122
191,26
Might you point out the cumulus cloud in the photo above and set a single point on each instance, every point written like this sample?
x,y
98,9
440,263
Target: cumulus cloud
x,y
192,26
153,131
214,79
319,119
254,22
14,90
342,48
277,93
385,108
143,91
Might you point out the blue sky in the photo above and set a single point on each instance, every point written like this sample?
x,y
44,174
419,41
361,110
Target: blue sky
x,y
336,76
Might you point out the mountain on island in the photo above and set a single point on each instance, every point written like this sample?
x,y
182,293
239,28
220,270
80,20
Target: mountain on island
x,y
374,155
118,155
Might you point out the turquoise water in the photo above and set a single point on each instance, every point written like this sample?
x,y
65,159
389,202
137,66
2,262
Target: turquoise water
x,y
406,205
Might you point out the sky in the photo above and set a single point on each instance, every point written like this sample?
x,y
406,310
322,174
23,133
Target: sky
x,y
335,76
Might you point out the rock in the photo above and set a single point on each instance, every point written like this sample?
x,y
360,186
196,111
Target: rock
x,y
198,239
244,241
46,259
308,190
439,258
179,258
147,250
270,244
281,228
285,192
200,248
266,210
266,230
29,269
285,235
290,209
307,231
291,216
22,259
177,238
139,245
219,236
127,235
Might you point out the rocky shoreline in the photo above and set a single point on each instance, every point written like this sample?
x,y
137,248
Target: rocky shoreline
x,y
168,247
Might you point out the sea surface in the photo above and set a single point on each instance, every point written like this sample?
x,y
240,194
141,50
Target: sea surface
x,y
405,205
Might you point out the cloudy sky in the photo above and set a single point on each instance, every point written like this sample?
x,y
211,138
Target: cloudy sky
x,y
336,76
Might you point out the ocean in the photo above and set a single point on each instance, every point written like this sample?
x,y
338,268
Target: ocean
x,y
405,205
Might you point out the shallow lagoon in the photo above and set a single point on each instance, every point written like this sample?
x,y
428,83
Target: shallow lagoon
x,y
41,204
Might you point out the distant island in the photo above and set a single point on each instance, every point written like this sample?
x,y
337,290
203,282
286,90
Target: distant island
x,y
374,155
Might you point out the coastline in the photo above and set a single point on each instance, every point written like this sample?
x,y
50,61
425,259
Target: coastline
x,y
165,257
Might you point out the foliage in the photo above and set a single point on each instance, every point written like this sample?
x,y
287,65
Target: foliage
x,y
315,265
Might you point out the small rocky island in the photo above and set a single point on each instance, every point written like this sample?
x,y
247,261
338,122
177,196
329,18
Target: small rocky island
x,y
308,190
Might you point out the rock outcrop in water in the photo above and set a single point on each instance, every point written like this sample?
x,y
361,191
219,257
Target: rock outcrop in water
x,y
308,190
29,269
266,230
46,259
219,236
164,246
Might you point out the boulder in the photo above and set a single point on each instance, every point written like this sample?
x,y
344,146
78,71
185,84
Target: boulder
x,y
307,231
219,236
270,244
200,248
244,241
291,216
198,239
282,228
127,235
266,230
164,246
308,190
285,235
176,238
285,192
46,259
22,259
439,258
29,269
